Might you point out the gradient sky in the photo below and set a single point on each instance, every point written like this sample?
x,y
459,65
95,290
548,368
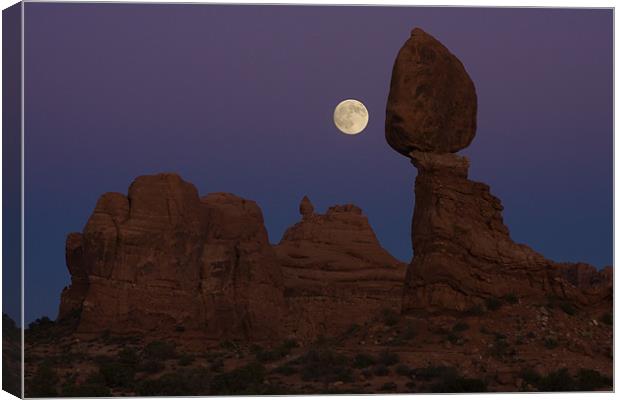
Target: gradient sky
x,y
240,99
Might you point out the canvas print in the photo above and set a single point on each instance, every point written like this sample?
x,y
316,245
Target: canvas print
x,y
276,199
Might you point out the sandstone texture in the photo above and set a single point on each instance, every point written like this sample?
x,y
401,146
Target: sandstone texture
x,y
463,253
336,272
162,259
432,102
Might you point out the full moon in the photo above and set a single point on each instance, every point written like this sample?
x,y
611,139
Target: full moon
x,y
351,116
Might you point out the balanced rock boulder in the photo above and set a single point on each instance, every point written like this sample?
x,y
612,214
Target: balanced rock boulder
x,y
336,272
161,259
432,102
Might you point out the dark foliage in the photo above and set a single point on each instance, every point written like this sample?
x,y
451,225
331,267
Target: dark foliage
x,y
43,383
363,360
323,364
387,358
159,350
493,303
247,380
184,382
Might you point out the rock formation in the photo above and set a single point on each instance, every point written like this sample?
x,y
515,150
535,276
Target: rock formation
x,y
162,259
432,102
463,253
336,272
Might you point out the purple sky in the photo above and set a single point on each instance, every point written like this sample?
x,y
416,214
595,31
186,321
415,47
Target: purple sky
x,y
240,98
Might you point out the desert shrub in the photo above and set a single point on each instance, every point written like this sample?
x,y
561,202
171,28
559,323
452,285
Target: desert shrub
x,y
530,376
276,353
454,338
43,383
246,380
128,356
607,319
387,358
186,359
363,360
475,310
151,366
402,369
589,379
550,343
41,330
285,369
216,365
408,333
159,350
322,364
381,370
460,326
557,381
94,386
184,382
447,380
561,380
501,348
511,298
230,345
117,374
568,308
432,372
352,329
388,386
40,324
390,317
493,303
458,384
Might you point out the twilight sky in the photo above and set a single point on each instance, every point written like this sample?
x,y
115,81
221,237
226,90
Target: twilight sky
x,y
240,99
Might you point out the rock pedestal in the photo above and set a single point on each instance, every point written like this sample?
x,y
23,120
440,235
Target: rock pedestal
x,y
463,253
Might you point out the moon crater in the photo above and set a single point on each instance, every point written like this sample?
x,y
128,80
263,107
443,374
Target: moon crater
x,y
351,116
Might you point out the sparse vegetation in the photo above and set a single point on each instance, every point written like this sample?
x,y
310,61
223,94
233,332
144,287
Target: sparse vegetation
x,y
381,370
493,303
607,319
511,298
44,381
323,364
388,387
550,343
186,359
475,310
568,308
390,317
246,380
388,358
159,351
363,360
404,370
276,353
460,327
561,380
94,386
447,380
184,382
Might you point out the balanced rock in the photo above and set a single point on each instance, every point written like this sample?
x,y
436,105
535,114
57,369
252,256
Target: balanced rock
x,y
463,253
432,102
161,258
336,273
